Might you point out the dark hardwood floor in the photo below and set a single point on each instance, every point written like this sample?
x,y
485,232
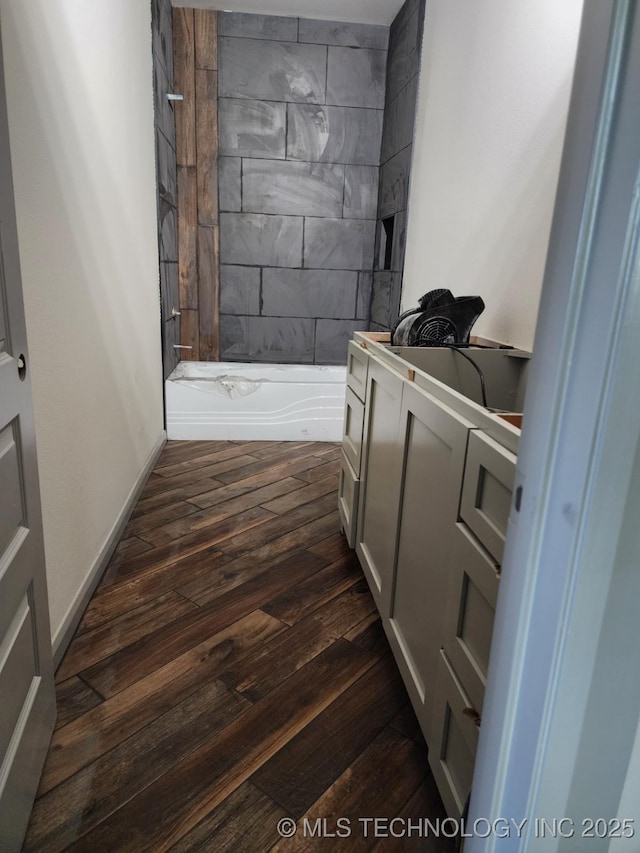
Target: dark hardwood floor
x,y
231,671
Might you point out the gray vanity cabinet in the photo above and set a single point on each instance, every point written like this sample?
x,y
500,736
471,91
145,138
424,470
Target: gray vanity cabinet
x,y
380,475
425,496
434,439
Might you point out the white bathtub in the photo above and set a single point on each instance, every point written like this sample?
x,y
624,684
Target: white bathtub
x,y
255,402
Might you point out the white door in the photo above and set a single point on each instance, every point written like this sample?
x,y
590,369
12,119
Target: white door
x,y
27,695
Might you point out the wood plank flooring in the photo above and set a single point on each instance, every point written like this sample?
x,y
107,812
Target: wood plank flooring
x,y
231,671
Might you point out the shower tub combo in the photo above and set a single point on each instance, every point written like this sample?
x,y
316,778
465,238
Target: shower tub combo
x,y
255,402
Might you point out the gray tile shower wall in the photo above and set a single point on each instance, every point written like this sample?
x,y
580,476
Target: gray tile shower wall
x,y
270,339
344,35
300,123
292,188
240,289
309,293
230,184
253,239
165,142
251,128
269,27
334,134
403,66
272,70
339,244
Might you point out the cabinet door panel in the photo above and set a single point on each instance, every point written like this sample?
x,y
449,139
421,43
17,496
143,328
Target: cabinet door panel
x,y
348,501
435,440
486,491
380,487
472,602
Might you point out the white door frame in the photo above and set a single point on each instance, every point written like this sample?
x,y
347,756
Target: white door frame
x,y
562,706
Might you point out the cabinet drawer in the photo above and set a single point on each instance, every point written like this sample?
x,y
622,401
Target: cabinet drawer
x,y
452,753
486,491
348,494
353,424
357,367
472,602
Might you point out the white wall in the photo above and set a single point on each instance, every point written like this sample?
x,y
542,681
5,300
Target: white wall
x,y
494,92
79,90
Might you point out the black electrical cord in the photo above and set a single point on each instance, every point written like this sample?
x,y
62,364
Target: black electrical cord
x,y
456,348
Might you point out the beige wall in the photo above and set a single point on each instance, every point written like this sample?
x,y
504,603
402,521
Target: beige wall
x,y
494,91
79,90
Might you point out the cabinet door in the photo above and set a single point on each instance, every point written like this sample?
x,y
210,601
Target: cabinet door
x,y
381,469
348,501
472,603
486,491
435,439
456,729
353,424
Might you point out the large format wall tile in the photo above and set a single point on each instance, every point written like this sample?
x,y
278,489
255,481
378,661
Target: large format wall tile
x,y
162,30
334,134
164,117
395,297
166,164
346,35
252,128
239,290
252,239
356,77
272,339
360,192
339,244
230,183
332,339
309,293
399,120
169,291
402,17
394,184
168,232
399,241
269,70
380,298
363,302
384,286
292,188
170,328
404,55
258,26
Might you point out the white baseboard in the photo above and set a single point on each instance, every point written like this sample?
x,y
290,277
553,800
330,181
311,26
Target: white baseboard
x,y
65,632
